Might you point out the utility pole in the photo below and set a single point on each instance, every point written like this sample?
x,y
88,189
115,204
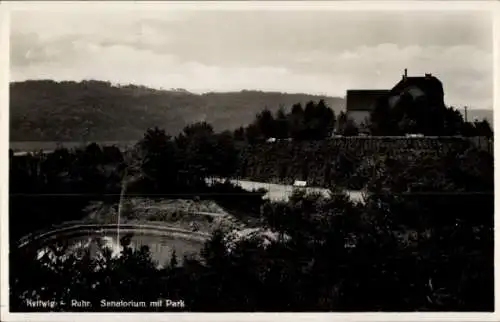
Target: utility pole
x,y
465,108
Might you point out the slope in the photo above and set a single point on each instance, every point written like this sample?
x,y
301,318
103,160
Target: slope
x,y
45,110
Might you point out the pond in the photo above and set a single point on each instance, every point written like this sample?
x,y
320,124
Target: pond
x,y
161,247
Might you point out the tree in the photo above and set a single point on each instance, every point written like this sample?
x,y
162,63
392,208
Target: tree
x,y
483,128
282,126
416,115
327,119
266,124
429,209
454,122
173,261
197,144
297,121
341,122
198,129
252,134
239,134
350,128
159,164
226,155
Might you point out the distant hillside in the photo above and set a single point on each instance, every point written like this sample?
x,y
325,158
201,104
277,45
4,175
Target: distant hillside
x,y
479,115
98,111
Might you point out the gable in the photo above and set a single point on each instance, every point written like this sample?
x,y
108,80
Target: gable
x,y
363,100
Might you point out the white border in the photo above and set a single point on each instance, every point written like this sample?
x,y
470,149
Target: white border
x,y
4,172
6,7
52,6
496,120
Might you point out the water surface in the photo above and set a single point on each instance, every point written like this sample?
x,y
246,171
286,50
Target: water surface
x,y
161,247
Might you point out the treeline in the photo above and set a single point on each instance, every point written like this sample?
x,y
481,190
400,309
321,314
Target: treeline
x,y
46,110
409,115
316,121
67,111
165,166
422,241
50,188
339,162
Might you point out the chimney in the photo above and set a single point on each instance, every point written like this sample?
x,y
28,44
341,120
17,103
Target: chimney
x,y
428,75
405,74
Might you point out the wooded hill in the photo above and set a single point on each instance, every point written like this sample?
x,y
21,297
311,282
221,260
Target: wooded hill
x,y
45,110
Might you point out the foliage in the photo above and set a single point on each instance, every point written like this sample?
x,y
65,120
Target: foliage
x,y
417,115
394,253
45,110
315,122
346,162
48,189
422,239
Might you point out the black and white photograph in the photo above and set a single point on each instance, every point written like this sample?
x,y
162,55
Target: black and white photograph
x,y
250,157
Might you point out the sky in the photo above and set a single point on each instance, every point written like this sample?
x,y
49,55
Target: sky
x,y
319,52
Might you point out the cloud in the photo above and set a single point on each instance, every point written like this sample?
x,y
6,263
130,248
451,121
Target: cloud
x,y
293,52
465,70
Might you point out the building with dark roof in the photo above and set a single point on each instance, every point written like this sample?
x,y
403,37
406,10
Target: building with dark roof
x,y
360,103
427,87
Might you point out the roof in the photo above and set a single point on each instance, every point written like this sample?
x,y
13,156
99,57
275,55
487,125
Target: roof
x,y
428,84
367,91
363,99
